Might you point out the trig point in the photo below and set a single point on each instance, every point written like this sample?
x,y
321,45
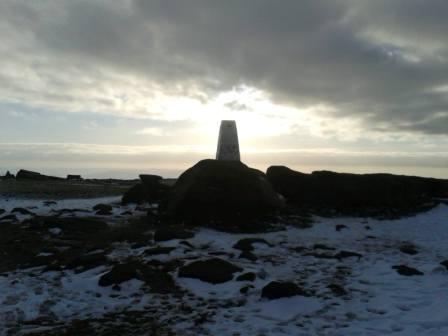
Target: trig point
x,y
228,147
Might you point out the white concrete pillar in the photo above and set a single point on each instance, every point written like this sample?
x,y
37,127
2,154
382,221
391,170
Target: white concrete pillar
x,y
228,147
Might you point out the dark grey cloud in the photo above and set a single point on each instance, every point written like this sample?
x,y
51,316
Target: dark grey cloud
x,y
378,61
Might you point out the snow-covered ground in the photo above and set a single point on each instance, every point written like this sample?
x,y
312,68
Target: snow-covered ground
x,y
377,300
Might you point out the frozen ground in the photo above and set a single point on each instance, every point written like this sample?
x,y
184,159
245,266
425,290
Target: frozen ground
x,y
346,296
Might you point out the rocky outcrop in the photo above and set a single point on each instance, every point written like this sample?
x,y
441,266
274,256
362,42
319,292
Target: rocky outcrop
x,y
151,189
223,191
8,176
357,194
30,175
74,177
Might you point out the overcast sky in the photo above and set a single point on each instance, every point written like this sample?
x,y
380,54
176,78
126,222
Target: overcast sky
x,y
121,87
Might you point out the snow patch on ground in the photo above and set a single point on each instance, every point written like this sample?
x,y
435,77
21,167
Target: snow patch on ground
x,y
378,301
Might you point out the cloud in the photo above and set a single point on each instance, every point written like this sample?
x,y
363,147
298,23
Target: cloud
x,y
154,131
377,63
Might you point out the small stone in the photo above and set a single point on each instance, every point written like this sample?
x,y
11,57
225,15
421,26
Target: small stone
x,y
337,289
408,249
406,270
277,289
248,255
323,247
249,276
339,227
22,211
245,244
347,254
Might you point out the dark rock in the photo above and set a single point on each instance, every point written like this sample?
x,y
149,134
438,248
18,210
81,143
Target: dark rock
x,y
319,255
298,249
118,274
347,254
159,281
276,290
248,255
213,270
383,195
249,276
337,289
187,244
223,191
68,211
30,175
22,211
406,270
151,189
74,177
103,209
159,250
444,263
104,213
150,180
169,233
245,289
168,266
136,194
339,227
408,249
2,211
11,218
221,253
85,262
48,203
245,244
8,176
323,247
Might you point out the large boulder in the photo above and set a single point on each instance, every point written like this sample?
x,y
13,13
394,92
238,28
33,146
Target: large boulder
x,y
354,193
215,190
151,189
213,270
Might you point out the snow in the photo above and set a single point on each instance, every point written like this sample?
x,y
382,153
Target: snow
x,y
84,205
379,300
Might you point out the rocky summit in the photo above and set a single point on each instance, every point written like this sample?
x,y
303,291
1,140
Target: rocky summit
x,y
179,259
222,191
378,195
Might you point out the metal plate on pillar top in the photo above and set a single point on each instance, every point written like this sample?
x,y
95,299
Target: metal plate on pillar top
x,y
228,146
